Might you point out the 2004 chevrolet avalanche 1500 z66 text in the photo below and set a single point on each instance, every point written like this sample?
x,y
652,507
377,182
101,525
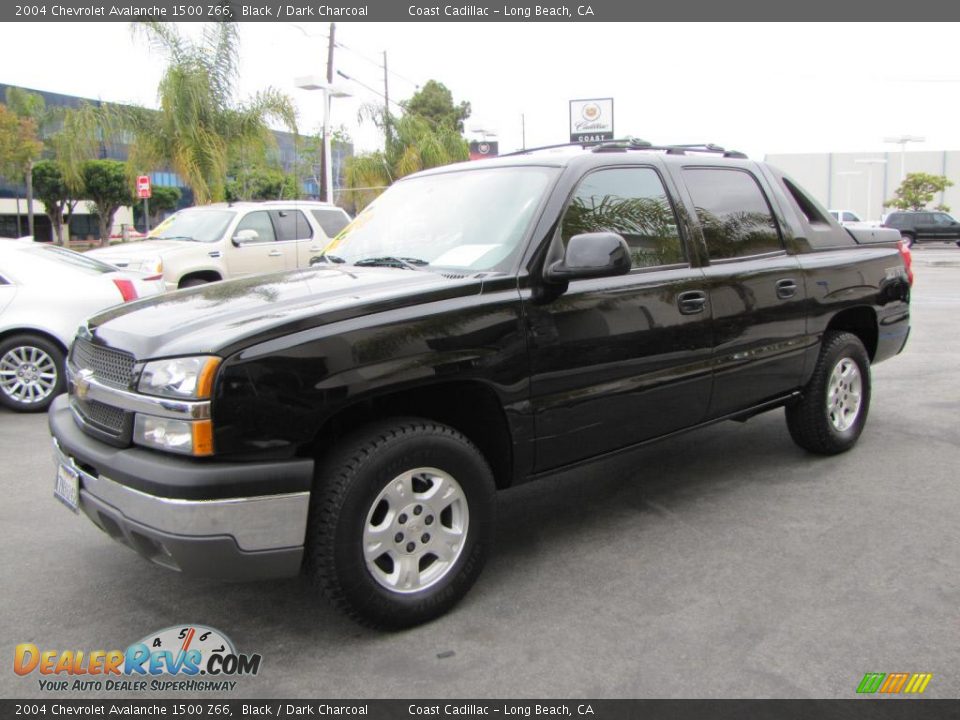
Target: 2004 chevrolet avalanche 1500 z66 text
x,y
476,327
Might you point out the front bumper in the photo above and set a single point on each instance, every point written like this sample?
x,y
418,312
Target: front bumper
x,y
244,537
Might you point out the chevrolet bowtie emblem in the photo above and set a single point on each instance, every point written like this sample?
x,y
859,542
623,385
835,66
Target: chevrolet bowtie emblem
x,y
82,383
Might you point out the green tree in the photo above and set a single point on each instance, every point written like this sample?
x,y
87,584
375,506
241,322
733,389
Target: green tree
x,y
199,121
414,144
917,191
262,183
56,195
71,136
107,185
435,103
163,199
19,148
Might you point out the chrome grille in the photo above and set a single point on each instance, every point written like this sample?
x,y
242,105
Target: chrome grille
x,y
105,417
111,367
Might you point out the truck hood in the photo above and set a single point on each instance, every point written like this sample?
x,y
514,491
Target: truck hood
x,y
224,317
133,253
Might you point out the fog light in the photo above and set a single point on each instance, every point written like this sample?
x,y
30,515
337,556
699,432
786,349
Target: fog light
x,y
179,436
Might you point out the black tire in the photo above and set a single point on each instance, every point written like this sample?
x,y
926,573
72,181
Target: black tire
x,y
31,372
348,497
908,239
192,282
822,422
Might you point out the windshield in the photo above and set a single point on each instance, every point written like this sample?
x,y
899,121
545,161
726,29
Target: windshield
x,y
473,220
193,224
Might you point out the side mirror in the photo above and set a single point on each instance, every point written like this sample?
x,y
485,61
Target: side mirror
x,y
245,236
591,255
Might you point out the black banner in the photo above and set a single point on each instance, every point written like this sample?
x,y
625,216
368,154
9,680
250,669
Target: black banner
x,y
479,10
512,709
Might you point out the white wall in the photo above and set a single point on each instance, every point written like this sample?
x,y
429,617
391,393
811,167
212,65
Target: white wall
x,y
824,176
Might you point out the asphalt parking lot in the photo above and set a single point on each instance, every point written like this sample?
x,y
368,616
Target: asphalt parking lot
x,y
726,563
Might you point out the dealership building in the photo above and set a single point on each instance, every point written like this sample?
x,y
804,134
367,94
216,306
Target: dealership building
x,y
862,182
83,225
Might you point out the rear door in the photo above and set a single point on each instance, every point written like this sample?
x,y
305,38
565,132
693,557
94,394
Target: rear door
x,y
756,289
293,231
620,360
331,220
925,226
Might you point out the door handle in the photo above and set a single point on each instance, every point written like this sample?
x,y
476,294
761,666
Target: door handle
x,y
315,248
786,289
691,302
274,253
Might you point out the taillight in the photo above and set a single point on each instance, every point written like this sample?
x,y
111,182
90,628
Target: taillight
x,y
126,288
907,259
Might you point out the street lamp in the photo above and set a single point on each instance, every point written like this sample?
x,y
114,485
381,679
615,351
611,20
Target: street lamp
x,y
902,141
849,174
316,82
870,162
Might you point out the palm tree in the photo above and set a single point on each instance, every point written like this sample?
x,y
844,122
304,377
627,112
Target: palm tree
x,y
199,124
413,143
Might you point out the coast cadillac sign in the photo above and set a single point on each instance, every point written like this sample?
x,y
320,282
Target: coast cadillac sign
x,y
591,120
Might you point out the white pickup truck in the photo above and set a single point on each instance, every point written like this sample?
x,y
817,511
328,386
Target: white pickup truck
x,y
850,219
214,242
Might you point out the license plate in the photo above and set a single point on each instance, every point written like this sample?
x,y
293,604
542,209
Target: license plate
x,y
67,487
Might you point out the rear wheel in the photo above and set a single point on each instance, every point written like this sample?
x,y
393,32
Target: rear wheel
x,y
908,239
31,372
401,519
832,411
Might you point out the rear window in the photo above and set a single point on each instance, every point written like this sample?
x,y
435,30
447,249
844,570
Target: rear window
x,y
332,220
54,254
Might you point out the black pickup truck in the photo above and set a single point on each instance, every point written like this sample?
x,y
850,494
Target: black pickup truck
x,y
476,327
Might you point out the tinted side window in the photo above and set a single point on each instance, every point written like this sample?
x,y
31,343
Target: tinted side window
x,y
633,203
895,220
291,225
332,221
850,217
733,212
258,221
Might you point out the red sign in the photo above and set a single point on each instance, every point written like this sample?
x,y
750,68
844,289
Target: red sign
x,y
143,187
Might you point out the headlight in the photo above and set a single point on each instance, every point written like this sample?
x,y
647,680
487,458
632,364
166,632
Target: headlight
x,y
152,266
186,378
179,436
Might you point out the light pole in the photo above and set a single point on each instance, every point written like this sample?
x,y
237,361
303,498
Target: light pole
x,y
314,82
902,141
849,174
870,162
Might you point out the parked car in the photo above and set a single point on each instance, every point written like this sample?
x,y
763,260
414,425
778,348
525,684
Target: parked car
x,y
923,225
45,293
215,242
478,326
848,218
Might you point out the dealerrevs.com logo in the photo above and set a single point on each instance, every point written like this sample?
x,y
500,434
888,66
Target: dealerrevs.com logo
x,y
187,658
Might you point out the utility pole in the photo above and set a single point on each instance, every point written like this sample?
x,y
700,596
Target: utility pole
x,y
325,158
386,99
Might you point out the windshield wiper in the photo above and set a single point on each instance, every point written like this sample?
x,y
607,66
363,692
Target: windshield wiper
x,y
324,258
175,237
392,261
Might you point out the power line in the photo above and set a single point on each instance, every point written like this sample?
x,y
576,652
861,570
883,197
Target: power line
x,y
377,63
367,87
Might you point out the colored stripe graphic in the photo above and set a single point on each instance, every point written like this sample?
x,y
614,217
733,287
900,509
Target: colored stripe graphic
x,y
894,683
918,683
871,682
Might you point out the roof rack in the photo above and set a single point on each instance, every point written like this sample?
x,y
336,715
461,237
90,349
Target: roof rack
x,y
632,143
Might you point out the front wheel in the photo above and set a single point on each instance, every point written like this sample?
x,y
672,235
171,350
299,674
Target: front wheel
x,y
832,411
31,372
401,518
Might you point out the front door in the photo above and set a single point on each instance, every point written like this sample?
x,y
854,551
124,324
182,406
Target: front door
x,y
616,361
259,253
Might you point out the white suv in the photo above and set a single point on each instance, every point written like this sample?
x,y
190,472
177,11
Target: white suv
x,y
215,242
